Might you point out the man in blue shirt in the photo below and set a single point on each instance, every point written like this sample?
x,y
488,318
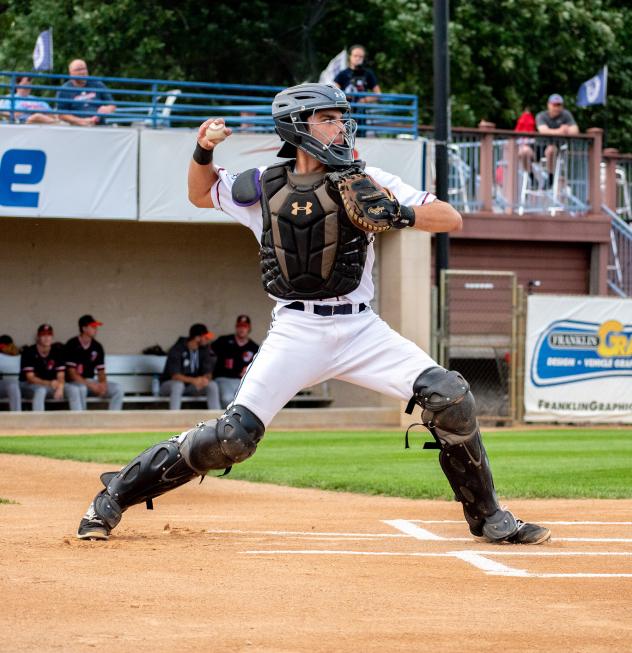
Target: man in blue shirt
x,y
24,107
80,96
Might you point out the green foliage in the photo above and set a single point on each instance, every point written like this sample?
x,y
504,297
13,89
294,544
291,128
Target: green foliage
x,y
505,54
543,463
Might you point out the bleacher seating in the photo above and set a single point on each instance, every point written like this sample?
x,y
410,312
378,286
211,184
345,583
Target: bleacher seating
x,y
246,108
139,376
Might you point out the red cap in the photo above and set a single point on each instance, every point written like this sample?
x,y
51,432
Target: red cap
x,y
45,330
242,319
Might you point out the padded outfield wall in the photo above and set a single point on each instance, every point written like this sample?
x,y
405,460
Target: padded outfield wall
x,y
97,220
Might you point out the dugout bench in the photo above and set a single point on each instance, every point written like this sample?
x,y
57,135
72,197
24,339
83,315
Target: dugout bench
x,y
139,377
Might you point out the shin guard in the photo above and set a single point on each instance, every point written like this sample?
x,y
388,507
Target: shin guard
x,y
448,412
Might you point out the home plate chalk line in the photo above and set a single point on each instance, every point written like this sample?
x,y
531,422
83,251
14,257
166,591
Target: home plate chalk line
x,y
482,560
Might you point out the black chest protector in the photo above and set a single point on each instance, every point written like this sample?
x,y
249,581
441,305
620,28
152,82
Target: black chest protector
x,y
309,248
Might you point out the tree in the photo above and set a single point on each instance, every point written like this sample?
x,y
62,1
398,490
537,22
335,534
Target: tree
x,y
505,54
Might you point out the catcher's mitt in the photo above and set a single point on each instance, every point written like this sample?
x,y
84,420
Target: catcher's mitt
x,y
369,206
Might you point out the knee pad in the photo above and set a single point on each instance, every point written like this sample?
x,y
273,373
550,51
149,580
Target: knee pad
x,y
221,443
447,404
239,431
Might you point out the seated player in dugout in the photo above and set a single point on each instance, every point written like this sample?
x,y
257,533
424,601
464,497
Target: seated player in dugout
x,y
235,352
322,326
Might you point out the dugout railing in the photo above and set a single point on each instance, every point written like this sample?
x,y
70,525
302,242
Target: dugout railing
x,y
246,108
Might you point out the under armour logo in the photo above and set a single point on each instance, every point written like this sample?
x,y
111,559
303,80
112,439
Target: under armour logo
x,y
296,207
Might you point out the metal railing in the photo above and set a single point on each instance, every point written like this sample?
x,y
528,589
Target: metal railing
x,y
511,172
616,182
620,256
175,103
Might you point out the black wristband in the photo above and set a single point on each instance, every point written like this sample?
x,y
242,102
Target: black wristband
x,y
406,218
202,155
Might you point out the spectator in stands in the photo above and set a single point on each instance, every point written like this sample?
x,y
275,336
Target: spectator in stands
x,y
26,102
555,121
43,370
79,96
85,357
356,78
526,123
10,388
234,353
189,369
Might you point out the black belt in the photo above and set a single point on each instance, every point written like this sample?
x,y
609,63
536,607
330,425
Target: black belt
x,y
327,310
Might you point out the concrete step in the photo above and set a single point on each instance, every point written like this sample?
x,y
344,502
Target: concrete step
x,y
65,421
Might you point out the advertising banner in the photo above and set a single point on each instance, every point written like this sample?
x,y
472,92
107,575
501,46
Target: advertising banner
x,y
165,157
68,172
578,359
122,173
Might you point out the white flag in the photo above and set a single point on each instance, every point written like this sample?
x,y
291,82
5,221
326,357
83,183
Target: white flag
x,y
338,63
43,52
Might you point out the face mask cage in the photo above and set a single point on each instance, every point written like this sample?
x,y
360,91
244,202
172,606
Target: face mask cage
x,y
329,152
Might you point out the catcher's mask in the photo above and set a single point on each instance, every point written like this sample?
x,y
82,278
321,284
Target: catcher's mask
x,y
292,107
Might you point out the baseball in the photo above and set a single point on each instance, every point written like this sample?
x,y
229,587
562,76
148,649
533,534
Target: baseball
x,y
215,132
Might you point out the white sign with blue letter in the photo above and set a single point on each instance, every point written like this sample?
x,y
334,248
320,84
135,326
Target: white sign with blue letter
x,y
165,155
578,359
68,172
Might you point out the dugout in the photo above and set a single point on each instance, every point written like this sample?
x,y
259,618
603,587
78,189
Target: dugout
x,y
97,221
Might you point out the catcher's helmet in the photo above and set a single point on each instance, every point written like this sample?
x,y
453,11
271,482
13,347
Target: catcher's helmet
x,y
290,109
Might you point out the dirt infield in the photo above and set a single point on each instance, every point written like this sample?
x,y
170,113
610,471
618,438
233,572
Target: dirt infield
x,y
233,566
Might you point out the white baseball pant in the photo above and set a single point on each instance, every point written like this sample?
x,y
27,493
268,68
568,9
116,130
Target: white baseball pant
x,y
303,349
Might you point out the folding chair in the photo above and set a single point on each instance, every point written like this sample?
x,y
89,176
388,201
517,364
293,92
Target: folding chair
x,y
160,109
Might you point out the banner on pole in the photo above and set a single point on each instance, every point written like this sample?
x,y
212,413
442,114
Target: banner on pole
x,y
594,90
43,52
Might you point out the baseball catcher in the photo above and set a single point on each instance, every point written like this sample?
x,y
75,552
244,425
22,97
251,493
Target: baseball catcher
x,y
315,216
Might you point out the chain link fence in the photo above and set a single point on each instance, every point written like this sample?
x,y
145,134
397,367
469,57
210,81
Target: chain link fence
x,y
479,337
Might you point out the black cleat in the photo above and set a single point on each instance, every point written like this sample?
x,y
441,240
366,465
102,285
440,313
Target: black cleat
x,y
526,534
92,527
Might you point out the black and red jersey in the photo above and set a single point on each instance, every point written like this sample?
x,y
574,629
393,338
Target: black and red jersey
x,y
86,360
44,367
232,358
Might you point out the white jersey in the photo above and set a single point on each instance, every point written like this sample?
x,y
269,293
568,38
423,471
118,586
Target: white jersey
x,y
252,217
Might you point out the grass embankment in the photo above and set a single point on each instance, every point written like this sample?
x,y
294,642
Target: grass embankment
x,y
539,463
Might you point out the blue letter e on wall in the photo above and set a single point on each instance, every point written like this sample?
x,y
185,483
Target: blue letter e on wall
x,y
21,167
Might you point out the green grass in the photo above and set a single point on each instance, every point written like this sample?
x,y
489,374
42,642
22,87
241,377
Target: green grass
x,y
7,501
540,463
